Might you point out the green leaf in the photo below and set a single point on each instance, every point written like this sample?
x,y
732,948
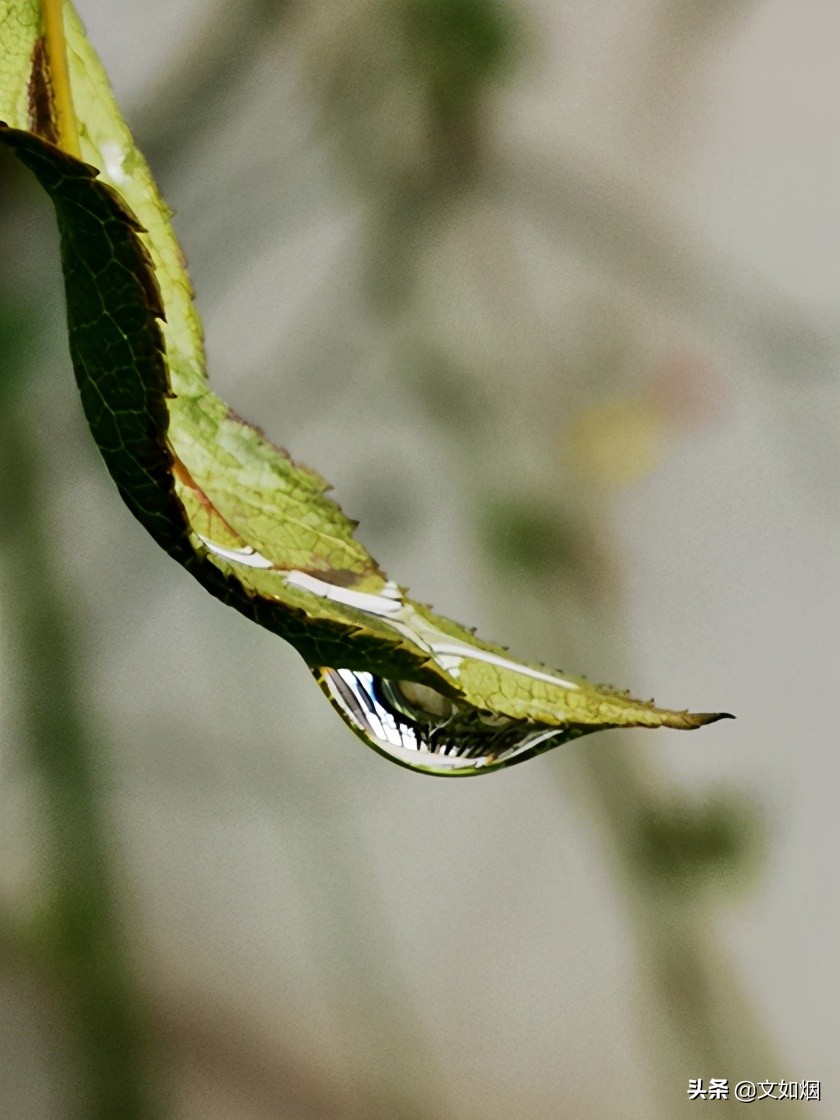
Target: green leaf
x,y
254,527
20,22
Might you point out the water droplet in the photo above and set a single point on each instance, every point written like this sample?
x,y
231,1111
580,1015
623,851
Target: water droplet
x,y
422,729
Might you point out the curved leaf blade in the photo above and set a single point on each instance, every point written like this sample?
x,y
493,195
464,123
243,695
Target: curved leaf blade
x,y
255,528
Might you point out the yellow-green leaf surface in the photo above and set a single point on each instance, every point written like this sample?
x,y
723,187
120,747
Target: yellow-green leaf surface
x,y
19,33
254,527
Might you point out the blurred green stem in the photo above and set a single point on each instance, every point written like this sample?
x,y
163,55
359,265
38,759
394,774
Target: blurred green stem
x,y
219,57
77,942
702,1024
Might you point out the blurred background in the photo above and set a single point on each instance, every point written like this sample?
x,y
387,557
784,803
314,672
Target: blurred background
x,y
550,292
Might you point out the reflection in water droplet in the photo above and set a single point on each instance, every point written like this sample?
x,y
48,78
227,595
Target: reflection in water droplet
x,y
422,729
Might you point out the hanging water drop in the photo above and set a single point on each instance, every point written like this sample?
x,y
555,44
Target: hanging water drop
x,y
418,727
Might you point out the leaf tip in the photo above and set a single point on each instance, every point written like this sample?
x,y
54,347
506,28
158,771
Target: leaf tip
x,y
701,719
